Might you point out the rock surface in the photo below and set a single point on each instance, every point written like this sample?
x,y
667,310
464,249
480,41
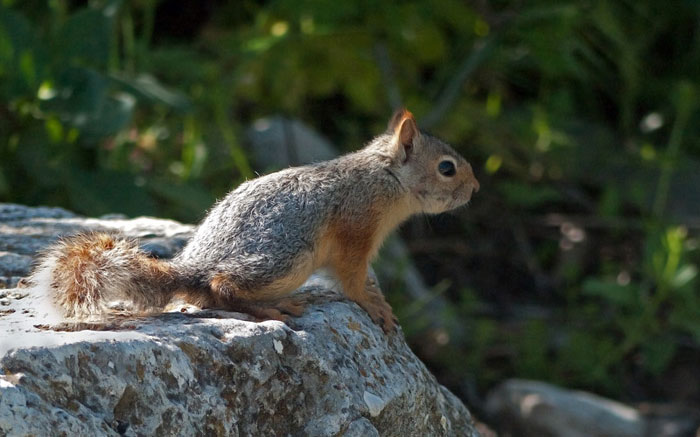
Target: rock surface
x,y
538,409
278,142
330,372
532,408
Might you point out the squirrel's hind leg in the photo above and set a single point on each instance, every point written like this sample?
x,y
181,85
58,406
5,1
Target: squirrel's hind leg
x,y
280,310
271,301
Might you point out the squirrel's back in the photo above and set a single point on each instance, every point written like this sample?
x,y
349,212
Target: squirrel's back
x,y
262,224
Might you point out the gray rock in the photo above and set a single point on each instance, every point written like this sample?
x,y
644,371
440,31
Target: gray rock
x,y
277,142
26,230
532,408
329,372
12,212
671,420
14,263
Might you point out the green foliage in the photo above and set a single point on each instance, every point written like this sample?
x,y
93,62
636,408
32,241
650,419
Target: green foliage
x,y
649,310
580,118
67,113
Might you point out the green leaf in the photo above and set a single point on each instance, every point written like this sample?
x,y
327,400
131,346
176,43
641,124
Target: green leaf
x,y
657,353
686,320
54,129
684,275
622,295
82,100
147,87
113,115
34,156
22,65
588,357
187,200
86,36
107,192
80,92
429,43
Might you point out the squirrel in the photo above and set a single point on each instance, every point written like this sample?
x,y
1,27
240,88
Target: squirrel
x,y
264,239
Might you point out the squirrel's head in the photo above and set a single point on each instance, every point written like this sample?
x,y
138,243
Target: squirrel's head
x,y
437,176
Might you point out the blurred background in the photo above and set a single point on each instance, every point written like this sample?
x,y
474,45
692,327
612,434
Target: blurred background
x,y
575,264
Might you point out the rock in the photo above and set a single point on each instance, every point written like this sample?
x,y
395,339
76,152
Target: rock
x,y
329,372
531,408
670,420
26,230
278,142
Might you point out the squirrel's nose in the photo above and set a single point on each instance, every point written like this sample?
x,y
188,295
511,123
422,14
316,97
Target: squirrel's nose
x,y
475,183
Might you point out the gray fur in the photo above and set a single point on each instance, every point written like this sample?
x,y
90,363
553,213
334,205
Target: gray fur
x,y
258,230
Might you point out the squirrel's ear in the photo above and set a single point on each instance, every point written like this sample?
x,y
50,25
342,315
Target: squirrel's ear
x,y
396,119
405,131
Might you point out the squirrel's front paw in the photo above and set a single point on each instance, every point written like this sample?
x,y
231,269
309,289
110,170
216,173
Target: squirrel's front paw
x,y
380,312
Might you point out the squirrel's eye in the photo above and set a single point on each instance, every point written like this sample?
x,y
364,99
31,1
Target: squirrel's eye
x,y
447,168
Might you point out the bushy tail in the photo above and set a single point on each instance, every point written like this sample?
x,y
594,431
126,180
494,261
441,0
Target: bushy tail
x,y
88,275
